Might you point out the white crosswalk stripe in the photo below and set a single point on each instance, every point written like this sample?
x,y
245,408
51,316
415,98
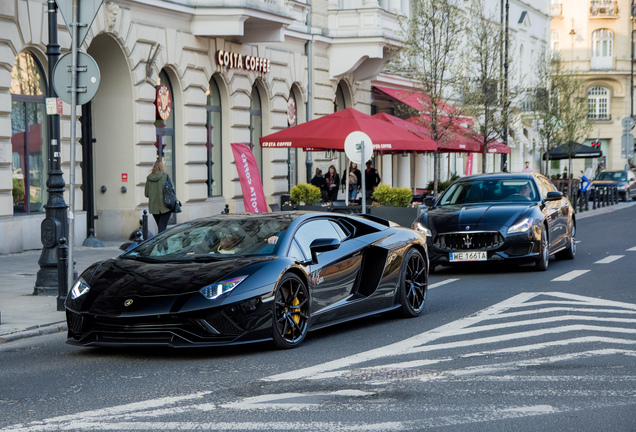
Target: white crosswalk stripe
x,y
569,276
609,259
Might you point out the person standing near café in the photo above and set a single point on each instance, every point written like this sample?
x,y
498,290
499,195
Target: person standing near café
x,y
333,183
319,182
355,176
527,167
155,184
371,179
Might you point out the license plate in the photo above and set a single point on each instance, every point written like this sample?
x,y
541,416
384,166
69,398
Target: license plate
x,y
468,256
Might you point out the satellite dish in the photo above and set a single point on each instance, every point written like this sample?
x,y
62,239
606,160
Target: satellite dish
x,y
354,144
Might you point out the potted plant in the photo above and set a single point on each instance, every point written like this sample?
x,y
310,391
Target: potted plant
x,y
306,196
394,204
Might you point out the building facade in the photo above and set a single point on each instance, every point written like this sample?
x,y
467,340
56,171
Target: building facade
x,y
595,40
235,70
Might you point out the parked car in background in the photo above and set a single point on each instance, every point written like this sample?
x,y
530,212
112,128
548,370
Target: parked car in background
x,y
624,180
232,279
518,218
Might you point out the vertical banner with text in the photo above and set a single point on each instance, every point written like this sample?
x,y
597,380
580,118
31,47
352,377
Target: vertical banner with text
x,y
469,164
253,195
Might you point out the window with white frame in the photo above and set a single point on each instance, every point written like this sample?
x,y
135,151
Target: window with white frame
x,y
598,103
602,49
555,41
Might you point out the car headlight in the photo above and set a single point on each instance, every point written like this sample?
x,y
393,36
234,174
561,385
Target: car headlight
x,y
213,291
79,288
522,226
622,187
422,229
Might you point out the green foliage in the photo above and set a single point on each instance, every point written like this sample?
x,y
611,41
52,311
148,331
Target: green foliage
x,y
392,196
443,185
18,190
305,193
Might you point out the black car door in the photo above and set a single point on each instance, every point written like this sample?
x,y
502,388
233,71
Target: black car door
x,y
556,214
333,277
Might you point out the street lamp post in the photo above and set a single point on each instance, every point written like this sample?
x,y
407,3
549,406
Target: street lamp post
x,y
46,282
631,87
505,19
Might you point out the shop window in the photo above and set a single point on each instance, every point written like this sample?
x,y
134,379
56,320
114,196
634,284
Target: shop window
x,y
28,135
598,103
256,128
214,140
602,49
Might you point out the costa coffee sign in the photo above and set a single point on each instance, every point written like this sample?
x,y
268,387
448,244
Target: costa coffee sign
x,y
163,101
239,61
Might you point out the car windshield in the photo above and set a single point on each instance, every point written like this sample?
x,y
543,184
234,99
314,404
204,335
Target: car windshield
x,y
612,176
212,239
490,190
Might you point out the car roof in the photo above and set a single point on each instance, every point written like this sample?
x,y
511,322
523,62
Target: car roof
x,y
502,175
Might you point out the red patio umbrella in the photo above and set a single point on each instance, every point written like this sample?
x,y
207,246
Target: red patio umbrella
x,y
329,133
428,144
462,140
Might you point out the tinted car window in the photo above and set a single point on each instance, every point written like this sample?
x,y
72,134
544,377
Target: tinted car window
x,y
490,190
313,230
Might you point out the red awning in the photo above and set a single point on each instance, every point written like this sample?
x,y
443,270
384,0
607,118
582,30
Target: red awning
x,y
428,145
329,133
417,100
460,140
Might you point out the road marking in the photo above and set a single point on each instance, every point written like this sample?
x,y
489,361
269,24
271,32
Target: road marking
x,y
633,249
569,276
439,284
466,326
609,259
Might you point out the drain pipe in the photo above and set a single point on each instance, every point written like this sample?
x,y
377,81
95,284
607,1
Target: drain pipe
x,y
310,84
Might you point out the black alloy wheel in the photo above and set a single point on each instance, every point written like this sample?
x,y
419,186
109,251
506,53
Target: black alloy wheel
x,y
570,251
544,253
413,287
291,312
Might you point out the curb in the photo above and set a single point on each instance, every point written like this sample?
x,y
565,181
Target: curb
x,y
35,331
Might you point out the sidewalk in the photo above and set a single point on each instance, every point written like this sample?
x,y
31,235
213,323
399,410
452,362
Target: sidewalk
x,y
24,315
21,313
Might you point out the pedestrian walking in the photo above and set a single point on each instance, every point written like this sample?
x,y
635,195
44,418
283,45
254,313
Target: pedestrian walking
x,y
154,189
355,176
320,182
333,183
371,179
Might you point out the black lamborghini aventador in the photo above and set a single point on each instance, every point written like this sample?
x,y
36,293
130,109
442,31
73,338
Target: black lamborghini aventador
x,y
231,279
518,218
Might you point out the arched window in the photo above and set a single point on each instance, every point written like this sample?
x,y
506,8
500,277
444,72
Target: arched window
x,y
214,140
598,103
167,132
29,158
256,128
602,49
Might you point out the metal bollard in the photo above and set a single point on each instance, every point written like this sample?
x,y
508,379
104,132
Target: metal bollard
x,y
144,225
62,271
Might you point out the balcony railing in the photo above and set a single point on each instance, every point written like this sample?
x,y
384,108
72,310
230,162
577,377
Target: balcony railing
x,y
599,117
604,8
557,10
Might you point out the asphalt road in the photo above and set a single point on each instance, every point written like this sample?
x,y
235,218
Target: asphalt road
x,y
499,349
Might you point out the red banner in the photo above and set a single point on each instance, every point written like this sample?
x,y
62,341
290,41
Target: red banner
x,y
469,164
253,195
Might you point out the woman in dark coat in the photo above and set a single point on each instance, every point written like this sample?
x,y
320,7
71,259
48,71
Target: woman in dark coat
x,y
333,183
155,183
